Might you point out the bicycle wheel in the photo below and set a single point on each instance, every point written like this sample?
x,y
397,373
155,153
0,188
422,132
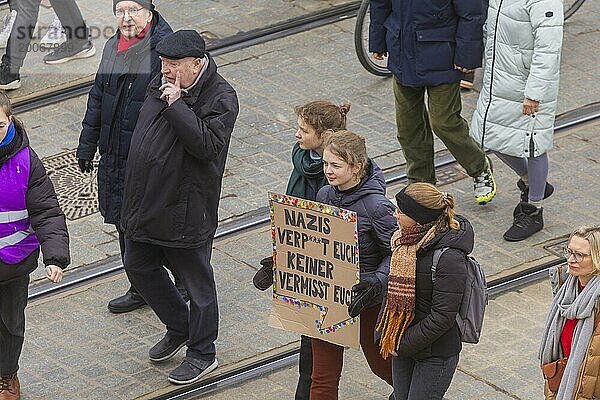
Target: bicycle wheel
x,y
361,43
571,6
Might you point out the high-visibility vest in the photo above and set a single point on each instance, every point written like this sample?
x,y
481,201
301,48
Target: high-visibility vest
x,y
17,239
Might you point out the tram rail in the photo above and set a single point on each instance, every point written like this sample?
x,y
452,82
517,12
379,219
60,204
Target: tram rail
x,y
285,356
290,357
260,217
216,47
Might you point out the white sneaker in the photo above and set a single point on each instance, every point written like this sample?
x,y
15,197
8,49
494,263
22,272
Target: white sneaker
x,y
55,35
7,25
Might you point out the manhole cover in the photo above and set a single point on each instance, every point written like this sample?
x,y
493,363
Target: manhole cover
x,y
449,174
556,247
77,192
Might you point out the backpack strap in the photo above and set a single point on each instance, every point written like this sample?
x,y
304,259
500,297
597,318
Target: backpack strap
x,y
437,254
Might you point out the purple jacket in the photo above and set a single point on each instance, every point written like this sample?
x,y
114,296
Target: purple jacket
x,y
44,224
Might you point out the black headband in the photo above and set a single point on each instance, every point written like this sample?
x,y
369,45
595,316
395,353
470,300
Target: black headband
x,y
416,211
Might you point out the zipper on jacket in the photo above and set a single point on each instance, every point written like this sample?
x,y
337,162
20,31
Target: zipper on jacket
x,y
531,133
487,109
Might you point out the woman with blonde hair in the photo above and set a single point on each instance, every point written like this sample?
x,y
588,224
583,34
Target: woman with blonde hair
x,y
356,183
418,321
571,341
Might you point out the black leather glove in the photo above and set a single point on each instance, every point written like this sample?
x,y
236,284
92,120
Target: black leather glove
x,y
263,279
363,293
85,165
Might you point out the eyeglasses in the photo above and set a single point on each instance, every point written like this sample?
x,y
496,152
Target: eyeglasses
x,y
120,13
567,252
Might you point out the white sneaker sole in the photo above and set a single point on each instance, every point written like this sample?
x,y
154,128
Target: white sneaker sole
x,y
82,54
207,371
12,85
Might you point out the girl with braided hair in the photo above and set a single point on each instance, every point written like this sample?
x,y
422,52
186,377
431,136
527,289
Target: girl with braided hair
x,y
417,322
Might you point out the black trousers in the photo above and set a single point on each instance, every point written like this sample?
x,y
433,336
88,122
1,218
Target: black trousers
x,y
27,15
13,300
305,369
144,267
132,289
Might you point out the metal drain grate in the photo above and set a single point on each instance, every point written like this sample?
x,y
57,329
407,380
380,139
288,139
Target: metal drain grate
x,y
449,174
556,247
77,193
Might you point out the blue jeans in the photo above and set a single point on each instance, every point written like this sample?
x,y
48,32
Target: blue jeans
x,y
426,379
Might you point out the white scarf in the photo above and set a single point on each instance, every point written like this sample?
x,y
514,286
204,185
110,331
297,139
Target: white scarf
x,y
568,304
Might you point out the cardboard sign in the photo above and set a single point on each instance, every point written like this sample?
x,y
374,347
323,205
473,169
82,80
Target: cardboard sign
x,y
315,252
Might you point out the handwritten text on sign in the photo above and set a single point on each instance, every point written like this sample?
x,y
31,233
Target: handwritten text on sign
x,y
316,258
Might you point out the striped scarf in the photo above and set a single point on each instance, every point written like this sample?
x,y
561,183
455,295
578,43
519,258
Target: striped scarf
x,y
399,308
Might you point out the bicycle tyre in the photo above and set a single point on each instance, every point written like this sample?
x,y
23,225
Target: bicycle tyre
x,y
360,44
573,8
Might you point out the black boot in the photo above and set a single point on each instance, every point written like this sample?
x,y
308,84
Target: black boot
x,y
528,220
130,301
9,77
525,193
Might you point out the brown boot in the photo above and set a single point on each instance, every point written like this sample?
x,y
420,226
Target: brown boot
x,y
10,388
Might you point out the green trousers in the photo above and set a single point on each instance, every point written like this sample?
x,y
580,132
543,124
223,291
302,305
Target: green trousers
x,y
416,124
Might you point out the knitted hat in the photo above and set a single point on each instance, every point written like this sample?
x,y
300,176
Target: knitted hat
x,y
410,207
181,44
147,4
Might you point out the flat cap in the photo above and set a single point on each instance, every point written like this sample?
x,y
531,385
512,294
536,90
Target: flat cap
x,y
181,44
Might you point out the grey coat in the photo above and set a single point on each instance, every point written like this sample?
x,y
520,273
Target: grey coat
x,y
522,59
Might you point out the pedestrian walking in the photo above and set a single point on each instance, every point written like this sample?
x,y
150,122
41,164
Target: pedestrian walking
x,y
129,61
356,183
418,322
570,347
314,119
78,44
430,46
30,218
517,104
172,189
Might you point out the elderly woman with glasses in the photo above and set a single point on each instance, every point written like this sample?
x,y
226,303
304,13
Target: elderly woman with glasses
x,y
570,348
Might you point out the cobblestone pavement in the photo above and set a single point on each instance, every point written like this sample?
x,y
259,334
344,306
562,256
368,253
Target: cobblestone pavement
x,y
76,349
271,79
216,19
502,366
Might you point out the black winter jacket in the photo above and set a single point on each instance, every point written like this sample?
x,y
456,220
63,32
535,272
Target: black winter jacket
x,y
112,111
176,163
376,222
433,332
45,215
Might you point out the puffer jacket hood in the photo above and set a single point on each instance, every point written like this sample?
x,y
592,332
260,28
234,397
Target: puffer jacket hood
x,y
461,239
522,60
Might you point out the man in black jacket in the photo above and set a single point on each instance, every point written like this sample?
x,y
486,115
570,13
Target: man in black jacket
x,y
171,197
129,61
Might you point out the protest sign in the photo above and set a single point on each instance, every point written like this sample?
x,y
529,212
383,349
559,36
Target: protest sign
x,y
315,252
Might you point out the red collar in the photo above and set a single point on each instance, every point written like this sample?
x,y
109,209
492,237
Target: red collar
x,y
124,45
